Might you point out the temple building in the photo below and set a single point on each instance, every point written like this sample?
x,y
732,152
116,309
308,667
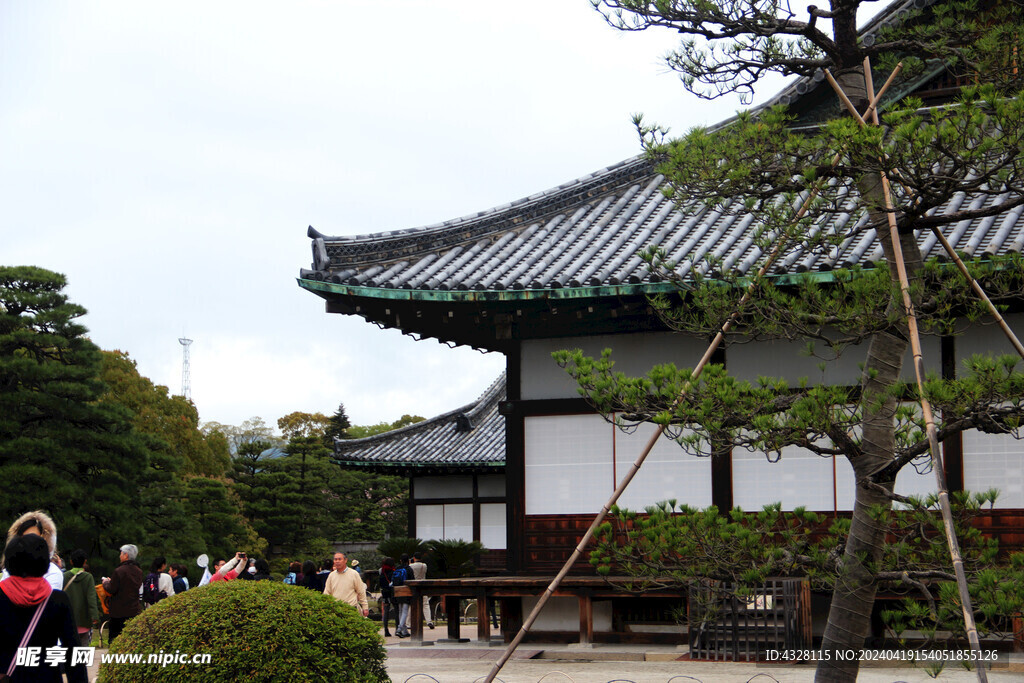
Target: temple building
x,y
525,469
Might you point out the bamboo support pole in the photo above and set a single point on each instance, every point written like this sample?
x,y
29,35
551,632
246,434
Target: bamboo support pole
x,y
961,266
697,371
915,343
976,286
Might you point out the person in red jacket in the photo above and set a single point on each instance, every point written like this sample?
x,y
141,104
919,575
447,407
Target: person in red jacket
x,y
23,595
231,569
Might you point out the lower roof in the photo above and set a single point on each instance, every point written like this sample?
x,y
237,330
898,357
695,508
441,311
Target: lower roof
x,y
465,440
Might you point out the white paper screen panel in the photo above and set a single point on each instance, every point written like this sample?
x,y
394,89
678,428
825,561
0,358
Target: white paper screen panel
x,y
568,464
458,522
667,473
799,478
443,487
445,522
786,359
429,521
908,483
492,526
995,461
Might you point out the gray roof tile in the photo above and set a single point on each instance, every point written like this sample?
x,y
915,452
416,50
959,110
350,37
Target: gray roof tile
x,y
440,442
597,242
589,232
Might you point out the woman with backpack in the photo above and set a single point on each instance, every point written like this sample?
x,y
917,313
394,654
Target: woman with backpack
x,y
157,585
387,594
294,576
402,574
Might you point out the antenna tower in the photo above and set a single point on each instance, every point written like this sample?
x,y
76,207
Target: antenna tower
x,y
186,378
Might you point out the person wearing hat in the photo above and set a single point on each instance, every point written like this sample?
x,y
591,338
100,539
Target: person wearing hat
x,y
39,524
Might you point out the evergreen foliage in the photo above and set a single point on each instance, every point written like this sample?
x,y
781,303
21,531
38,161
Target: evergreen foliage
x,y
670,546
255,631
397,546
116,459
66,446
453,559
337,427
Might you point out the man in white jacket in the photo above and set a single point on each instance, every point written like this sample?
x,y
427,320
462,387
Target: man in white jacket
x,y
345,584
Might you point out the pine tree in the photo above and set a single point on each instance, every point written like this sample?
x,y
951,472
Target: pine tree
x,y
762,167
337,429
65,446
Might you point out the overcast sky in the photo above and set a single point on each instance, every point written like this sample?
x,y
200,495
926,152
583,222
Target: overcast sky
x,y
168,156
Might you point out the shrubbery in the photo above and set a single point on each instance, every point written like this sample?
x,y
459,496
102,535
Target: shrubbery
x,y
255,631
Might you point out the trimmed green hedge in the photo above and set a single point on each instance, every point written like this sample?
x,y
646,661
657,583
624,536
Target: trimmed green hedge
x,y
254,631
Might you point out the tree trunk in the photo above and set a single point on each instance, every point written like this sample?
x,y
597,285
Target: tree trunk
x,y
849,618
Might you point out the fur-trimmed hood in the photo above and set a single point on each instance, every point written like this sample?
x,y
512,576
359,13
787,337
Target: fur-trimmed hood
x,y
43,521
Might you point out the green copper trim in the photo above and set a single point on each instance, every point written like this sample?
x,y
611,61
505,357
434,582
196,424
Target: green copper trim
x,y
469,296
416,465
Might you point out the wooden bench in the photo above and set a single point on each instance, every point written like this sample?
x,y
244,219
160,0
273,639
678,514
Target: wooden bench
x,y
508,591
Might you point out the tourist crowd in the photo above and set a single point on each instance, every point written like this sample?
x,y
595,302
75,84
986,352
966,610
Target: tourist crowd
x,y
42,603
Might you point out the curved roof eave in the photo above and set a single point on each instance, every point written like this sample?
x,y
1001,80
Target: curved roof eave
x,y
472,296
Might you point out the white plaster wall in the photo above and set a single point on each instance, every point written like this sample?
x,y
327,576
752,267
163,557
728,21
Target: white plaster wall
x,y
789,360
563,614
491,486
634,354
443,487
987,339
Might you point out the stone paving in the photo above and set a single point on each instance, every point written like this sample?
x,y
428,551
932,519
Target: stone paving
x,y
470,662
542,663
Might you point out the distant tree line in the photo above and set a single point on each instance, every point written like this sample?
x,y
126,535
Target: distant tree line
x,y
116,459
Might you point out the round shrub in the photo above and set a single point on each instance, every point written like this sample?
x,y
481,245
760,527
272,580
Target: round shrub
x,y
254,631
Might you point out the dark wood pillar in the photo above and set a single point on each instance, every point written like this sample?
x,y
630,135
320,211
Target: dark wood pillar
x,y
586,618
515,458
952,446
511,618
451,609
411,508
476,511
483,617
721,462
416,617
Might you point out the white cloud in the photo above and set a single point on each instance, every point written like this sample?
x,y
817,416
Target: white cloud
x,y
168,157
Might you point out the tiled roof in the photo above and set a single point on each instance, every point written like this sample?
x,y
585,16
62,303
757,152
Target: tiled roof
x,y
471,438
589,233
